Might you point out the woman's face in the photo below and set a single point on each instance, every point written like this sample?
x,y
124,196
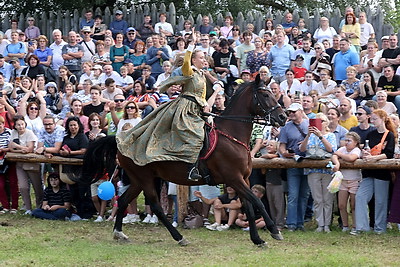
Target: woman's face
x,y
166,68
326,44
108,33
188,26
149,42
181,45
350,143
73,127
130,109
95,122
295,31
269,24
139,48
381,98
100,47
333,116
40,81
318,49
26,83
33,111
366,77
51,90
349,19
376,120
258,43
119,38
68,89
289,76
350,74
33,62
228,22
301,24
98,21
309,77
63,72
371,49
42,43
138,88
20,126
108,42
77,107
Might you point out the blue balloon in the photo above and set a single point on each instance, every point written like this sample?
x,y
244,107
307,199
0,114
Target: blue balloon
x,y
106,191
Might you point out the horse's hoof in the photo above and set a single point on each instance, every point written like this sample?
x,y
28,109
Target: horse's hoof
x,y
263,245
183,242
277,236
121,237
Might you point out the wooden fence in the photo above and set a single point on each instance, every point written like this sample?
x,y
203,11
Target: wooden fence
x,y
69,20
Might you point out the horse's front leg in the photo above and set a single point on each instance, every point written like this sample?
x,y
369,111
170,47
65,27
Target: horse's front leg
x,y
254,236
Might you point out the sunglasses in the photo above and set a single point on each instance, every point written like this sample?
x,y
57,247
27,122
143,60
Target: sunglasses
x,y
317,48
119,100
130,107
359,114
131,33
86,33
33,108
236,30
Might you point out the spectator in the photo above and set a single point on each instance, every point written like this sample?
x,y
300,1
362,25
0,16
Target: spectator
x,y
318,107
139,95
369,62
77,111
127,81
167,67
56,47
96,106
108,72
131,40
268,27
257,57
351,178
111,90
282,99
56,200
34,68
279,58
390,82
236,37
113,112
98,29
23,141
95,130
335,47
155,55
376,182
146,30
33,113
164,44
324,32
226,207
17,70
320,61
367,87
334,127
5,69
187,28
226,31
367,31
50,137
87,21
289,24
163,27
352,84
8,173
15,49
309,83
72,54
225,63
65,76
205,45
131,115
290,85
118,25
108,42
343,59
363,115
5,87
243,50
340,94
118,52
347,120
65,100
348,10
101,57
84,94
205,27
87,73
298,69
298,191
308,105
352,31
138,59
180,49
32,32
381,99
7,112
3,42
295,37
390,54
88,44
44,53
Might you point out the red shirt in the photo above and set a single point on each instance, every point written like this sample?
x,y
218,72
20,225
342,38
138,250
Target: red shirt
x,y
299,73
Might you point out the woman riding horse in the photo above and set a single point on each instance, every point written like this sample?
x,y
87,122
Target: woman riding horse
x,y
173,131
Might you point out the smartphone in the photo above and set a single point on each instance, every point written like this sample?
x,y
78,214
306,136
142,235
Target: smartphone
x,y
16,140
316,123
1,93
65,147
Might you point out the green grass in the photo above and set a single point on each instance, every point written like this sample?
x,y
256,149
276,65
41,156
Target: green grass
x,y
26,241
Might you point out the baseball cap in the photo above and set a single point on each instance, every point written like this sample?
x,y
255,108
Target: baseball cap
x,y
386,37
366,108
246,71
118,12
97,67
299,57
295,107
1,56
213,33
50,84
86,29
130,29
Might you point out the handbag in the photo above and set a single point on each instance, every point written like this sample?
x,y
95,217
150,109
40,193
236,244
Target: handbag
x,y
377,150
316,152
334,185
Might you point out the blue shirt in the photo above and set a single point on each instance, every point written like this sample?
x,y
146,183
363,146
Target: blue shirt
x,y
43,54
280,59
6,70
84,23
154,61
342,61
292,137
16,49
314,141
118,26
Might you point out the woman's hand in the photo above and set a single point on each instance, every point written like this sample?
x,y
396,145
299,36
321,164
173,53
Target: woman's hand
x,y
314,130
64,152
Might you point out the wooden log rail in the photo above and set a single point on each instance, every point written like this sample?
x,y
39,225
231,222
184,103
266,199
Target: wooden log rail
x,y
35,158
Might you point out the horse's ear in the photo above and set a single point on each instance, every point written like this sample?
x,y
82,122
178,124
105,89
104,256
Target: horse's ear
x,y
257,80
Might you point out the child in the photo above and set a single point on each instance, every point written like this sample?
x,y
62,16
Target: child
x,y
226,207
309,83
241,221
56,200
126,81
351,178
274,188
298,69
98,203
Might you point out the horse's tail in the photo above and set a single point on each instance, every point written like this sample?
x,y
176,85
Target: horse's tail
x,y
99,159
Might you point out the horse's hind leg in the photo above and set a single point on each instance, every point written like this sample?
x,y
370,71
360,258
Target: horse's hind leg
x,y
249,210
132,192
151,195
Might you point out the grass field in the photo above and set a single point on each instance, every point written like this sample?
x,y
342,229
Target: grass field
x,y
26,241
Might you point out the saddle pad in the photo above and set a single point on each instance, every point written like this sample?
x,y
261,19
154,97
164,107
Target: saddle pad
x,y
211,144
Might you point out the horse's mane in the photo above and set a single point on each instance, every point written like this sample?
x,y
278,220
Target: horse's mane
x,y
235,97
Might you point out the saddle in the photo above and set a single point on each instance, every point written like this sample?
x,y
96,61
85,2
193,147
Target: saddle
x,y
209,144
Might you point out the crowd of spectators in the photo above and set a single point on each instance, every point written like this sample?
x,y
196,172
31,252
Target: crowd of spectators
x,y
59,93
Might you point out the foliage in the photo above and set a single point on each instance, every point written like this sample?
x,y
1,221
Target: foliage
x,y
393,16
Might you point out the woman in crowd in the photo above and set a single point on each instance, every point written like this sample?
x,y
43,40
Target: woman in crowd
x,y
87,73
34,69
290,85
98,29
44,53
319,179
302,25
294,37
352,84
320,61
118,52
367,86
180,48
369,63
334,127
235,35
167,68
149,42
187,28
8,172
51,98
141,97
257,57
23,141
32,112
278,29
139,57
381,99
376,182
324,31
265,76
77,111
39,86
108,42
102,57
65,76
268,27
351,30
318,106
226,31
64,105
95,131
131,116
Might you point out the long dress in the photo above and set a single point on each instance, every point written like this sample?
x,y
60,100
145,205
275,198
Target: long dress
x,y
174,131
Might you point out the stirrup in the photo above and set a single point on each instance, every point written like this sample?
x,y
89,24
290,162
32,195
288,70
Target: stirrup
x,y
194,174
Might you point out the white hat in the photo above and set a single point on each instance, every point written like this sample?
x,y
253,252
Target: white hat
x,y
86,29
295,107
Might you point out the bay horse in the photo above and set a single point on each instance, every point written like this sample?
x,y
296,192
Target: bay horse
x,y
230,163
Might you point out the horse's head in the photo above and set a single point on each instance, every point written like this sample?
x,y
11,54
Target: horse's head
x,y
266,106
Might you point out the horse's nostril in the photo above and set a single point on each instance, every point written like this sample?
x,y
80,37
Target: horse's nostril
x,y
282,117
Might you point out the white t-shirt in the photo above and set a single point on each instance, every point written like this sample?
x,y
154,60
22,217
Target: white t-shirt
x,y
320,34
57,61
350,174
28,136
306,88
366,31
286,90
122,122
322,90
3,45
165,26
110,96
34,125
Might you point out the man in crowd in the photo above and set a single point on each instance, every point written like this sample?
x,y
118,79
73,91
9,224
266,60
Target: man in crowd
x,y
113,112
363,114
57,60
331,51
343,59
279,58
205,27
347,119
72,54
156,55
308,105
243,49
390,83
88,45
5,68
205,45
390,56
96,106
288,24
108,72
131,40
111,90
15,49
367,31
118,25
87,21
50,137
307,52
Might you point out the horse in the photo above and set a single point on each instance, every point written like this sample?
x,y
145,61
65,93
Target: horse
x,y
230,163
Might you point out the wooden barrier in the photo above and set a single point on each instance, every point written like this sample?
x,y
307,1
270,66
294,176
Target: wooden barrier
x,y
35,158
